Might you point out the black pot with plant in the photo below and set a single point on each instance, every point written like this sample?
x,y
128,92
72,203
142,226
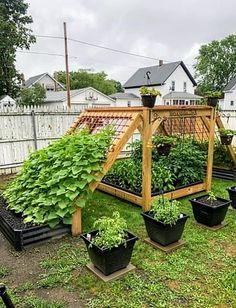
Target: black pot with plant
x,y
212,98
164,222
226,136
163,144
209,210
148,96
110,247
232,196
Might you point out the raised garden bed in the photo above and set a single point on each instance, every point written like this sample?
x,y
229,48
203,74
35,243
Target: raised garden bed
x,y
223,173
22,235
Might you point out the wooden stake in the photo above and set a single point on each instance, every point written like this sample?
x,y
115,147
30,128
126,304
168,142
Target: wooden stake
x,y
76,227
147,159
210,150
67,67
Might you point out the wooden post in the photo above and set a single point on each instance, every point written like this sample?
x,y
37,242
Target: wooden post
x,y
210,149
67,67
147,159
76,227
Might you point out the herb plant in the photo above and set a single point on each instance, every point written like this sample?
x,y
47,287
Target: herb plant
x,y
166,210
112,231
149,91
55,180
160,140
211,197
226,132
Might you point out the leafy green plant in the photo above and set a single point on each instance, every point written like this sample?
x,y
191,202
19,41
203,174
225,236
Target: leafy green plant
x,y
161,140
111,231
226,132
166,210
149,91
211,197
54,181
213,94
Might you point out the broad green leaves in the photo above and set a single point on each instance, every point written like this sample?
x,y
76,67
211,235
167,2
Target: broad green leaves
x,y
54,180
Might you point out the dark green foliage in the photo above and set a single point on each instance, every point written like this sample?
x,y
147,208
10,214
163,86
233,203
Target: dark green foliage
x,y
215,64
161,140
14,34
166,210
34,95
55,180
111,231
99,81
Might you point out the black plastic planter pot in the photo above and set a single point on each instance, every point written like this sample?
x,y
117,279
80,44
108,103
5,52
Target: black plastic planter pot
x,y
232,196
109,261
162,233
226,140
25,237
209,214
212,101
164,150
148,101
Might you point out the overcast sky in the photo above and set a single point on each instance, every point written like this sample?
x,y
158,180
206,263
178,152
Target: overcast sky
x,y
171,30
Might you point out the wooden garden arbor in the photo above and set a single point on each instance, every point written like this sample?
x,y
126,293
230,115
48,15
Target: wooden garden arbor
x,y
197,121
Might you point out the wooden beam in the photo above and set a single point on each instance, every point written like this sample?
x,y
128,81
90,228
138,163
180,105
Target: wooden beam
x,y
76,227
230,148
210,150
147,159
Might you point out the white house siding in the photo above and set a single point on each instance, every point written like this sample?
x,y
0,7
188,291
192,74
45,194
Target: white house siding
x,y
179,76
229,101
47,82
120,102
7,101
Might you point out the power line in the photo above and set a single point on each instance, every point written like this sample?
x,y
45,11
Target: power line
x,y
45,53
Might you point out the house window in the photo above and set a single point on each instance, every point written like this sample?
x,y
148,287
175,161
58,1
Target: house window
x,y
49,87
172,85
185,86
232,103
181,101
175,102
129,104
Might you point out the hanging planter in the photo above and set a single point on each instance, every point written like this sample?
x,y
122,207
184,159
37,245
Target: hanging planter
x,y
163,144
164,223
226,136
209,210
212,101
148,96
232,196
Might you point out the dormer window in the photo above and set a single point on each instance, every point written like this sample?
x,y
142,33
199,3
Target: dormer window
x,y
172,85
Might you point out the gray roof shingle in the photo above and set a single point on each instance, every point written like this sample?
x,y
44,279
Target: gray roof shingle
x,y
181,95
32,80
60,96
230,84
124,95
158,75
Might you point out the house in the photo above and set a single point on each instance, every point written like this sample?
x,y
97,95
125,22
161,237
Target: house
x,y
173,80
85,96
45,80
126,99
229,101
7,101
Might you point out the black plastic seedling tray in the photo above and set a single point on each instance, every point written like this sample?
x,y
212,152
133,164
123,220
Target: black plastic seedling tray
x,y
22,236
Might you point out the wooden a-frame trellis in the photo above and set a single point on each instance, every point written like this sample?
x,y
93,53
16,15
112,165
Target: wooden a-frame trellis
x,y
197,120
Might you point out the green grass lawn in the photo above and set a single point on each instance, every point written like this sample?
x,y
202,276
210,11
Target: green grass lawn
x,y
200,274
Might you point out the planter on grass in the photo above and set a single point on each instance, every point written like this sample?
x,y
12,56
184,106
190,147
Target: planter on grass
x,y
108,260
164,234
209,213
232,196
22,235
226,140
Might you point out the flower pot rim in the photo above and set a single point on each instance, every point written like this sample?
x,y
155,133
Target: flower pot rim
x,y
232,188
147,214
132,237
224,201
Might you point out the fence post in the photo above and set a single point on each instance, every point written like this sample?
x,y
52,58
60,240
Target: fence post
x,y
34,129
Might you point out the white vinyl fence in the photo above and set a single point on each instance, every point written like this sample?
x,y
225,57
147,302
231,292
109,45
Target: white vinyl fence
x,y
23,130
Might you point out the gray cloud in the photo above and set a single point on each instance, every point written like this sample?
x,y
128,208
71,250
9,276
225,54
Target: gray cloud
x,y
170,30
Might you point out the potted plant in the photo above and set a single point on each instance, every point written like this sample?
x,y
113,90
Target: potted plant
x,y
164,222
232,196
226,136
110,246
212,98
148,96
163,144
209,210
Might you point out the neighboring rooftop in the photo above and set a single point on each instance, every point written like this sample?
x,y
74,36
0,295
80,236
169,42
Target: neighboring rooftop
x,y
230,84
122,95
181,95
60,96
32,80
158,75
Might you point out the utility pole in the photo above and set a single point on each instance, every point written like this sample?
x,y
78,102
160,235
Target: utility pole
x,y
67,67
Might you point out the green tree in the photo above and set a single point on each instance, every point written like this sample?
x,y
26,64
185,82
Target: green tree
x,y
32,96
215,64
14,33
83,79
